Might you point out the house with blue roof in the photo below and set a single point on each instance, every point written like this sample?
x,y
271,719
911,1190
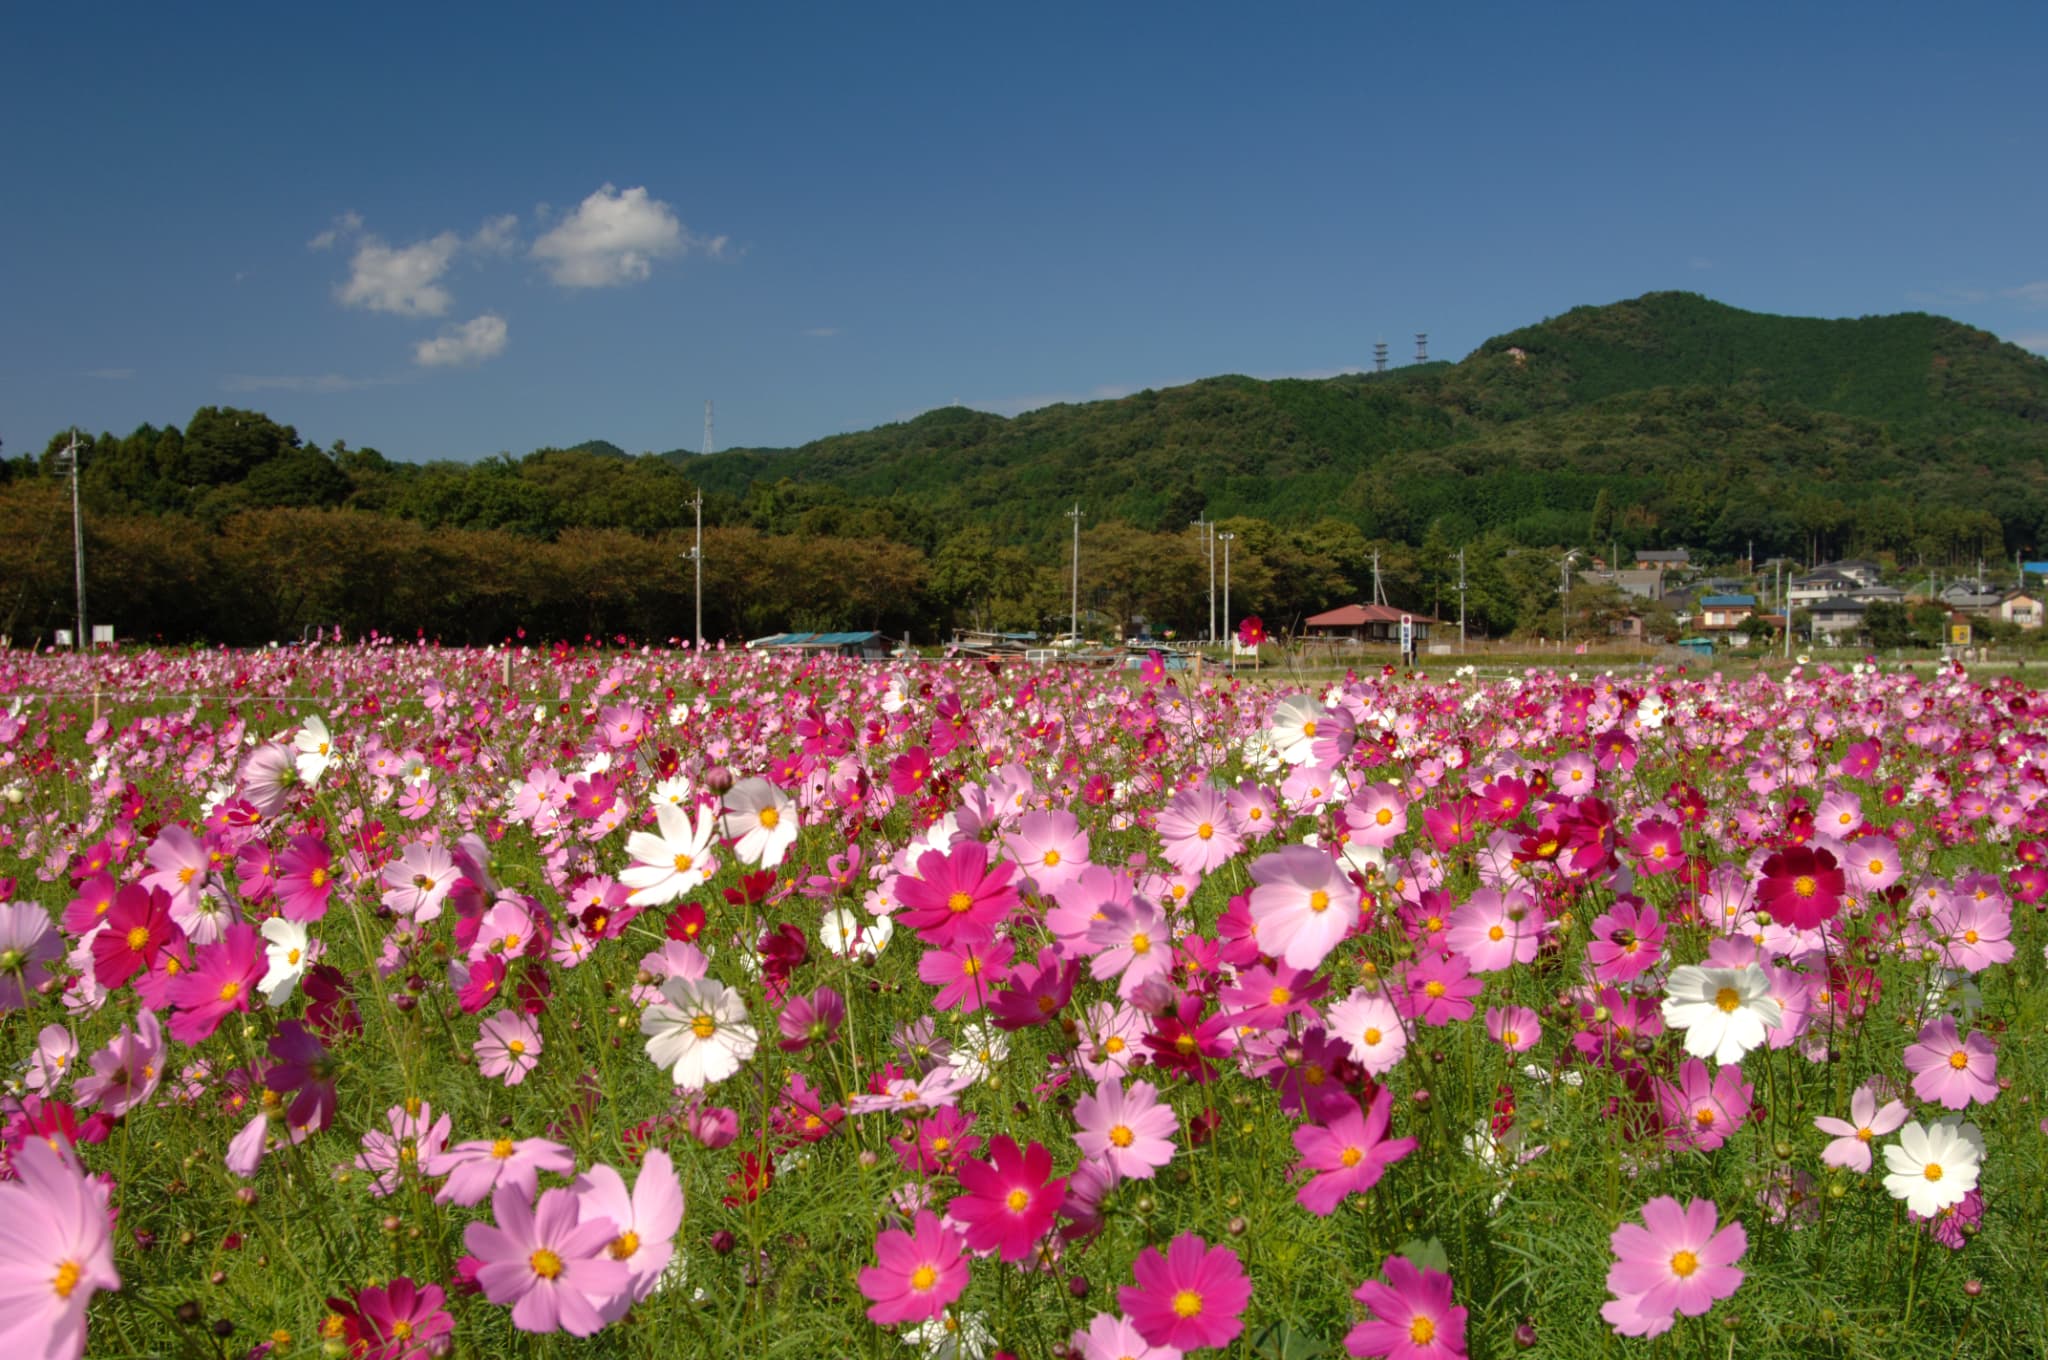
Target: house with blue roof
x,y
1725,613
865,646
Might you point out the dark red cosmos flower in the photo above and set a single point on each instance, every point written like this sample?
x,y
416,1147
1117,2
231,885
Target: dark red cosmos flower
x,y
1802,887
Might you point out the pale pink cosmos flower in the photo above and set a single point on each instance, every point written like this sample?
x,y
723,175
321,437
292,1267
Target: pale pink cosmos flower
x,y
56,1049
1495,930
1372,1025
1132,944
1130,1130
485,1166
27,944
1871,864
415,1140
56,1252
645,1222
1973,933
178,864
1110,1337
1954,1071
1303,905
1199,833
1867,1122
125,1073
1679,1261
1515,1028
1377,816
418,881
508,1047
1051,849
552,1265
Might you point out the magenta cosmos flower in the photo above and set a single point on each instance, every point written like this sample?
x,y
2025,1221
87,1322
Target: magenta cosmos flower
x,y
56,1252
1129,1130
1303,905
1191,1297
916,1274
402,1321
552,1265
1412,1315
956,893
1677,1262
222,977
1347,1154
1008,1202
1801,887
1956,1072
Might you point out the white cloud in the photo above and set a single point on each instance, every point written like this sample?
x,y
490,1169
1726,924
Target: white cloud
x,y
497,236
404,281
614,238
322,382
470,343
2033,294
822,332
348,224
2037,341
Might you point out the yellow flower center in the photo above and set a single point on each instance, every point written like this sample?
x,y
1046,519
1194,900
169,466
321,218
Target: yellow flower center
x,y
185,874
292,957
1385,816
1372,1036
1308,729
66,1279
1187,1303
1204,831
1684,1263
1319,901
1279,996
545,1264
318,878
683,863
1018,1201
1704,1116
516,1047
1141,943
1728,999
1113,1044
770,818
1511,1037
1121,1135
1959,1060
1433,988
1804,886
959,902
501,1148
623,1246
1052,859
1421,1330
138,937
230,990
1969,937
1496,934
703,1026
1351,1156
923,1278
941,1143
1932,1171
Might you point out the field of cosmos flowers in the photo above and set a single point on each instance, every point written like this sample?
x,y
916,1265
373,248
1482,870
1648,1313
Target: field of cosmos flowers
x,y
386,1000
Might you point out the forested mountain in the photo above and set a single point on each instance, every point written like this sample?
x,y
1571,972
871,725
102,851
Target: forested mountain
x,y
1664,421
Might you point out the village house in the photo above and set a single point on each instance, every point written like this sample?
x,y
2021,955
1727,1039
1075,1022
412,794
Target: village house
x,y
1677,559
1369,623
2020,609
1826,584
1725,613
1836,618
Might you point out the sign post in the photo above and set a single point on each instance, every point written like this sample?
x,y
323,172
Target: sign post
x,y
1408,641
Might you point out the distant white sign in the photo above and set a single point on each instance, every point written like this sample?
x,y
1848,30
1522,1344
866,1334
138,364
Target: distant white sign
x,y
103,632
64,638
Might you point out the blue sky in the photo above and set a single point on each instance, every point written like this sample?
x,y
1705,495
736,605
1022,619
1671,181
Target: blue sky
x,y
447,232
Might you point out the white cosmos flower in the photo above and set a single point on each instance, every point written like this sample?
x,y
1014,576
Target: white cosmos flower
x,y
1933,1166
1293,728
699,1031
314,747
847,932
675,789
289,952
1725,1012
761,821
980,1048
667,866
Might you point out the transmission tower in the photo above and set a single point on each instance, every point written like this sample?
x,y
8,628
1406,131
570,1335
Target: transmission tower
x,y
1422,347
1379,356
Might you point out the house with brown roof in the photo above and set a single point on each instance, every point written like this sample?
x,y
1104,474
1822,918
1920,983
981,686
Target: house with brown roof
x,y
1371,623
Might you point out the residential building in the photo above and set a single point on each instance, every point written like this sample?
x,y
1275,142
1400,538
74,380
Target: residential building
x,y
2022,609
1369,623
1722,613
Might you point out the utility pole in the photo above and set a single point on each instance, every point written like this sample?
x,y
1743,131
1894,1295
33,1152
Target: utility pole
x,y
1208,528
77,539
1564,609
1228,539
1461,601
1074,622
697,559
1785,601
1378,596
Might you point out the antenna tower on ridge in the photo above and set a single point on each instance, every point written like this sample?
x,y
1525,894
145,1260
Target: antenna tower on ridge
x,y
707,429
1422,347
1379,356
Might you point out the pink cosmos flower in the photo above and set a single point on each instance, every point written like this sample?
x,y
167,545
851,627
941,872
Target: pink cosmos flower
x,y
1192,1296
551,1264
56,1252
955,893
1440,990
813,1019
178,865
1253,810
1677,1262
27,944
966,972
1371,1024
1129,1130
1866,1122
139,925
1199,834
645,1222
1412,1315
1377,816
1051,847
1007,1203
1133,944
125,1073
1110,1337
1659,847
917,1273
1628,939
1974,932
483,1167
402,1321
418,881
1956,1072
1702,1113
223,976
1347,1154
508,1047
1495,930
1303,905
1801,887
305,878
1871,864
1515,1028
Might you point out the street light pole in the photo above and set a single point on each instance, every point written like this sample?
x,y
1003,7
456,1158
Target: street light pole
x,y
1074,620
1461,601
1564,610
697,558
1228,539
77,540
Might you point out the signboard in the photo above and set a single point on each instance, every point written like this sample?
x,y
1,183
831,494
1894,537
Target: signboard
x,y
1407,633
64,637
103,632
2035,568
1959,635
